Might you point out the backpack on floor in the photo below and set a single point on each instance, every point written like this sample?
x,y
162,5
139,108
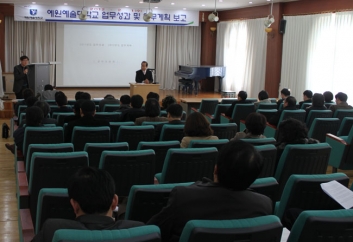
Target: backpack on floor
x,y
5,130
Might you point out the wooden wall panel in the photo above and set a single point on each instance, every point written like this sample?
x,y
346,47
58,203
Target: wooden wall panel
x,y
5,10
316,6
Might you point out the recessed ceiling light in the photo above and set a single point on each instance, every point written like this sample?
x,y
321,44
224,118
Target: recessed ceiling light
x,y
65,4
155,7
184,8
172,3
33,2
221,1
140,2
126,6
203,5
96,5
250,2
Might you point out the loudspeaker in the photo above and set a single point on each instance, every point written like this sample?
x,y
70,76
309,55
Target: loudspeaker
x,y
282,26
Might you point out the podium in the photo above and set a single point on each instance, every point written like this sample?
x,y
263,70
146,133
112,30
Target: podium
x,y
38,76
143,89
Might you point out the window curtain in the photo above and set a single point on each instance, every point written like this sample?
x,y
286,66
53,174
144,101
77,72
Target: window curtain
x,y
241,48
37,40
176,46
318,53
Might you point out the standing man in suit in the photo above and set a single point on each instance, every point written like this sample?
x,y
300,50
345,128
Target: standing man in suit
x,y
144,75
21,77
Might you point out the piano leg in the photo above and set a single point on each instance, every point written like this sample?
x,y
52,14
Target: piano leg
x,y
220,84
196,87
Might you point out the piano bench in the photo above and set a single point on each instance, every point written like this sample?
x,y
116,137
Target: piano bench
x,y
186,85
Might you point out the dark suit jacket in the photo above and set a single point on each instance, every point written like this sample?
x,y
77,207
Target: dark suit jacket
x,y
207,200
231,108
20,78
131,114
84,222
158,128
141,77
306,101
275,118
88,121
279,103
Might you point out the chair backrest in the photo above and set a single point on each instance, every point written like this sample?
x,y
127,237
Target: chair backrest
x,y
268,113
172,132
228,100
265,229
148,233
129,168
54,148
52,170
56,114
114,127
71,102
108,116
154,123
321,126
95,150
22,117
208,105
160,149
53,203
264,141
208,143
224,131
111,107
134,134
241,111
305,193
21,108
298,114
155,197
42,135
333,225
53,109
302,159
269,154
267,106
62,116
220,108
188,165
82,135
345,127
313,114
305,105
267,186
342,113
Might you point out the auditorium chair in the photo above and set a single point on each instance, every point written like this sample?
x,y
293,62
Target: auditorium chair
x,y
111,107
163,113
95,150
215,118
224,131
207,106
267,186
108,116
305,105
129,168
228,100
154,197
342,113
134,134
147,233
265,229
61,118
269,154
335,225
82,135
302,159
260,142
114,127
240,112
303,192
172,132
188,165
345,126
21,109
267,106
160,149
208,143
313,114
322,126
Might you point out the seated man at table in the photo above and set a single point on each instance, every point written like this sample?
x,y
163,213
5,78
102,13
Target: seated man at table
x,y
226,197
92,196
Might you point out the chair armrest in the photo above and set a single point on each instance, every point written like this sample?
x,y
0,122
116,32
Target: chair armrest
x,y
209,116
335,138
271,126
22,190
225,116
21,166
27,228
225,119
194,109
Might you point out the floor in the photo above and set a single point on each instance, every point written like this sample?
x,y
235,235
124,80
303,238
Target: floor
x,y
8,201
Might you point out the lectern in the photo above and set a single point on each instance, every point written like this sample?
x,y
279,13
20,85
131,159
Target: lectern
x,y
143,89
38,76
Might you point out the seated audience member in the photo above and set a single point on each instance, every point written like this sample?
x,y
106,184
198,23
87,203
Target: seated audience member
x,y
85,96
263,98
61,101
153,95
307,96
255,125
108,99
124,102
285,92
318,103
290,103
34,117
242,96
152,111
292,131
93,199
26,93
174,114
30,102
226,197
135,112
78,95
328,97
341,102
48,93
87,111
77,113
167,101
196,128
46,109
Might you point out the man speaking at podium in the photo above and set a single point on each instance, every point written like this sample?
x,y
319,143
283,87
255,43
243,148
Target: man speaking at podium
x,y
21,79
144,75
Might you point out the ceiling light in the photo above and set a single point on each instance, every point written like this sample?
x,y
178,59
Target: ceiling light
x,y
126,6
250,2
155,7
173,3
33,2
141,2
147,16
65,4
184,8
203,5
96,5
213,17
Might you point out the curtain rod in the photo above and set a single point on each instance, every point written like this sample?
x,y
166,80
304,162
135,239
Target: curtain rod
x,y
330,11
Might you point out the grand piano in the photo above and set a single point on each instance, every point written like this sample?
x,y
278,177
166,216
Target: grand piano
x,y
196,73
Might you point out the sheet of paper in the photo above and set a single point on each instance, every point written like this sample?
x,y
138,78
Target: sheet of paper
x,y
285,235
338,192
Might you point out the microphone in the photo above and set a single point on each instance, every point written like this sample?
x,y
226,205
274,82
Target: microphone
x,y
25,68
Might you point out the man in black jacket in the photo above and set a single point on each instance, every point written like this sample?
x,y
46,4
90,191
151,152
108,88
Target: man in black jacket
x,y
21,77
92,196
144,75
